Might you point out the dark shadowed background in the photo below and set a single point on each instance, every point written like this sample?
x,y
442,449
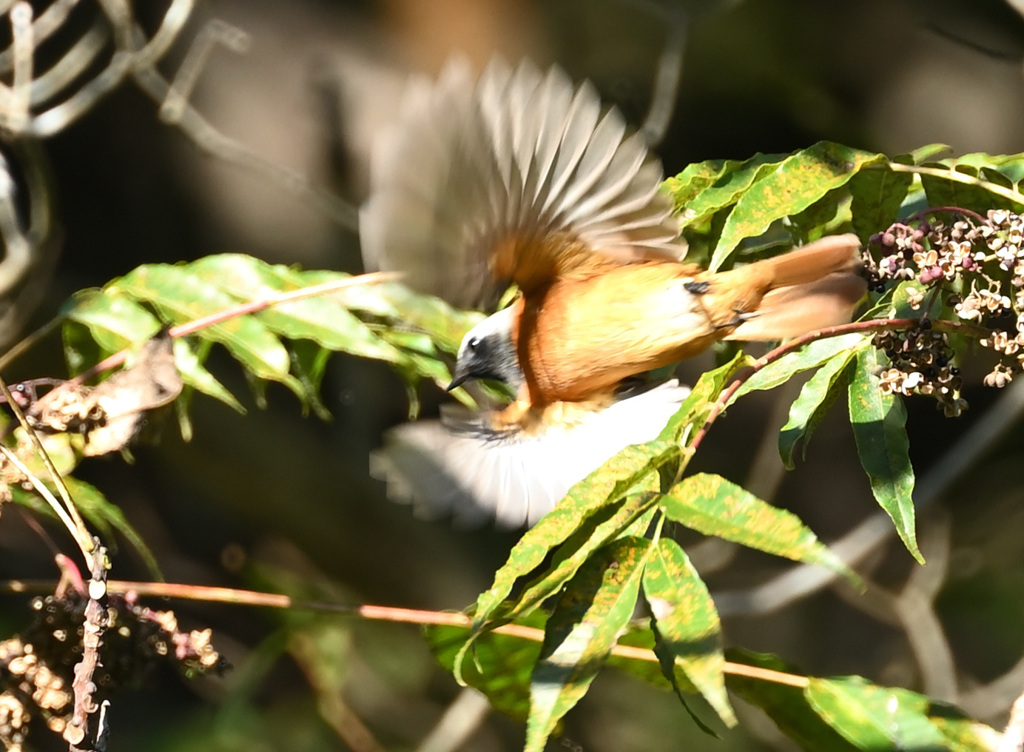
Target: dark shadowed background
x,y
255,498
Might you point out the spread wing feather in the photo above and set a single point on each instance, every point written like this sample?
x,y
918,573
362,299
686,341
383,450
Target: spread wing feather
x,y
519,154
463,468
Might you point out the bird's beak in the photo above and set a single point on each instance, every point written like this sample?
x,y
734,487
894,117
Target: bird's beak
x,y
459,377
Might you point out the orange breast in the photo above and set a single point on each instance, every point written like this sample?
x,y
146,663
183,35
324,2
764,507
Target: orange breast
x,y
583,335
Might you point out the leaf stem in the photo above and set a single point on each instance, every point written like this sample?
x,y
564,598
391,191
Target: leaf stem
x,y
958,177
871,325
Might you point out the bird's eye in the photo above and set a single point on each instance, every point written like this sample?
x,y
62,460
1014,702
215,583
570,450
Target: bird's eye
x,y
473,343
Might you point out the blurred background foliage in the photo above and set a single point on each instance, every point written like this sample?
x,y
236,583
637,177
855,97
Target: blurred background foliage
x,y
280,501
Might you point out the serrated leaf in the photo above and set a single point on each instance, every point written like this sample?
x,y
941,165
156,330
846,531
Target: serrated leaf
x,y
704,188
687,627
115,321
321,319
810,356
876,198
581,632
879,427
875,718
694,410
583,521
795,184
501,664
95,507
712,505
182,296
195,375
815,398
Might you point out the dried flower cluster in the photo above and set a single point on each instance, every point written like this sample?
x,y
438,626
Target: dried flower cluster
x,y
972,269
920,362
36,669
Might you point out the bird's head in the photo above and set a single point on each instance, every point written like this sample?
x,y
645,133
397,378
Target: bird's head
x,y
488,351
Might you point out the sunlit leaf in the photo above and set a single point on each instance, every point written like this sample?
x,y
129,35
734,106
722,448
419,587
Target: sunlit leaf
x,y
712,505
798,182
686,625
580,523
879,427
704,188
182,296
581,632
809,408
810,356
320,318
875,718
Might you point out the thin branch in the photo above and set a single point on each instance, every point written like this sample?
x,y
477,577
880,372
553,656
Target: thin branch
x,y
371,613
863,327
93,629
956,177
77,527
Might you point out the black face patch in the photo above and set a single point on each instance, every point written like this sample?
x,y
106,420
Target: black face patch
x,y
697,288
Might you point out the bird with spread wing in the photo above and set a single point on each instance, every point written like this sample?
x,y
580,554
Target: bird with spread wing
x,y
519,177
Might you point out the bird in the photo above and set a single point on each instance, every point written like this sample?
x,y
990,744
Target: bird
x,y
521,177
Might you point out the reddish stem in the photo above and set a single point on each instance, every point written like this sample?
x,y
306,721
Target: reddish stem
x,y
872,325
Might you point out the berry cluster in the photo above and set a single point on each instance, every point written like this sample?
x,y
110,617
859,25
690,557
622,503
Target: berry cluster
x,y
36,668
971,269
921,362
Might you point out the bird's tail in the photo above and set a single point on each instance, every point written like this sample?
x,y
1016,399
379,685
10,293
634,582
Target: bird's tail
x,y
813,287
463,468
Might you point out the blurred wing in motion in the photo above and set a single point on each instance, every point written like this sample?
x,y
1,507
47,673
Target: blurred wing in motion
x,y
477,176
464,468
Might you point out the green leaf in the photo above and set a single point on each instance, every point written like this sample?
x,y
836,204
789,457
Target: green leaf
x,y
182,296
786,705
195,375
686,625
114,320
581,633
879,427
922,154
712,505
583,521
322,318
877,195
424,313
705,188
95,507
809,408
811,356
845,714
501,664
794,185
692,414
875,718
613,520
822,217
